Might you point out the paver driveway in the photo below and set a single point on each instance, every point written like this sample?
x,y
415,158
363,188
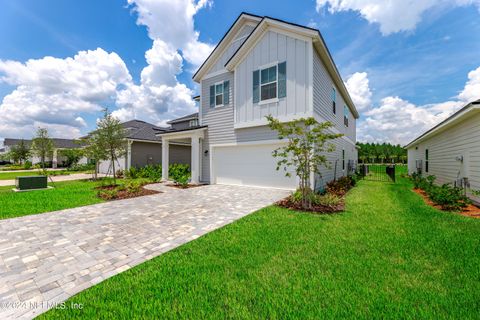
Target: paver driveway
x,y
46,258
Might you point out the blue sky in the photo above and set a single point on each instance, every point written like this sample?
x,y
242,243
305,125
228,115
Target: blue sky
x,y
421,67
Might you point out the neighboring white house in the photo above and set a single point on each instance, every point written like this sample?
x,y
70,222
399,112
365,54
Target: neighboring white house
x,y
58,145
264,66
451,150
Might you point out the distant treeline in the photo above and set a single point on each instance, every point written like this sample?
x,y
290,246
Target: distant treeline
x,y
381,153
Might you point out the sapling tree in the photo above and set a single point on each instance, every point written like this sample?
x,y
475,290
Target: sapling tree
x,y
111,137
20,153
305,152
42,145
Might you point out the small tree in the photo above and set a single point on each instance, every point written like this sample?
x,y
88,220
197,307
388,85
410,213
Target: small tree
x,y
94,150
42,145
111,137
72,156
20,153
305,150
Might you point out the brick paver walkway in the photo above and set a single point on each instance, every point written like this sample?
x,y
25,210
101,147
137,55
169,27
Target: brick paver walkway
x,y
47,258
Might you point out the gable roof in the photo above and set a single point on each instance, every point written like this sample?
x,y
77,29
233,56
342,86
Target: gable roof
x,y
189,117
263,25
318,43
460,115
141,130
224,42
58,143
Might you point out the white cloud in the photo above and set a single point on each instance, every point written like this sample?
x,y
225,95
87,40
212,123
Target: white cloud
x,y
399,121
172,22
57,93
359,89
471,91
54,93
393,15
160,96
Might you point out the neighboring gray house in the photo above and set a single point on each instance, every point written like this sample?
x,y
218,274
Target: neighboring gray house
x,y
58,144
144,147
264,66
450,150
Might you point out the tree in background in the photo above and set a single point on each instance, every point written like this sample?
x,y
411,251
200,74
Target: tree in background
x,y
20,153
110,135
42,145
72,156
305,151
381,152
94,150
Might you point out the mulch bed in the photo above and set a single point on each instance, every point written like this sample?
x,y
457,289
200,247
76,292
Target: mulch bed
x,y
124,194
469,211
289,204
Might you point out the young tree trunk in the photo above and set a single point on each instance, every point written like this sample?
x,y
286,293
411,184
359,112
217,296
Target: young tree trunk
x,y
113,166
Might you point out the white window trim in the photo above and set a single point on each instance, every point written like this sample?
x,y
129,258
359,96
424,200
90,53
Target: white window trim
x,y
271,100
215,85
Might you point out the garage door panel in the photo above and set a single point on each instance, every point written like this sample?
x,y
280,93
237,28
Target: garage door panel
x,y
250,165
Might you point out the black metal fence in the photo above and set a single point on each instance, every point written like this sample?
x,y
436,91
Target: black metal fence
x,y
377,172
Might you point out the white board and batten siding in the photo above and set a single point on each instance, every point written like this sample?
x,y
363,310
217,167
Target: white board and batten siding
x,y
238,145
274,48
444,148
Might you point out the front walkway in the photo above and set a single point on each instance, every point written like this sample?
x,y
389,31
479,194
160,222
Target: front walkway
x,y
47,258
70,177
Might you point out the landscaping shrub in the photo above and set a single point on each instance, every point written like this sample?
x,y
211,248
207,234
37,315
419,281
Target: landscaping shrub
x,y
108,194
340,186
446,196
179,173
329,200
82,167
132,173
27,165
133,186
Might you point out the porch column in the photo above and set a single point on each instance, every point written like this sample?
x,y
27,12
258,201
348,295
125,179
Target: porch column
x,y
129,154
54,159
165,161
195,153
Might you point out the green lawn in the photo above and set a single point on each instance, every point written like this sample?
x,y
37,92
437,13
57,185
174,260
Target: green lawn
x,y
68,194
11,175
388,256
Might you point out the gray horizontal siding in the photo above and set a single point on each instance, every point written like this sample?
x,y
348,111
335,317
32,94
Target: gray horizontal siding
x,y
443,148
322,99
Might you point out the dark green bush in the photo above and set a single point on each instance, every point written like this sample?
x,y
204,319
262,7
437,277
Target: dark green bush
x,y
341,185
179,173
446,196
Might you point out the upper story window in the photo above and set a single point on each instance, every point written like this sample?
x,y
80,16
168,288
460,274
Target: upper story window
x,y
193,123
334,101
345,115
220,94
270,83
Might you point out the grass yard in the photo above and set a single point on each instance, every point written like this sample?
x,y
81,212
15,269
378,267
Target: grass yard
x,y
68,194
11,175
388,256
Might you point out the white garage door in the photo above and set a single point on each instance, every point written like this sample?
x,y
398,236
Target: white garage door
x,y
250,165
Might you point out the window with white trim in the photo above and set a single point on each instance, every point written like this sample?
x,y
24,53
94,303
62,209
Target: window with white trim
x,y
219,94
268,83
193,123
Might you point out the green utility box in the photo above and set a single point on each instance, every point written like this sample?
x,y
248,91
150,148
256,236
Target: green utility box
x,y
31,182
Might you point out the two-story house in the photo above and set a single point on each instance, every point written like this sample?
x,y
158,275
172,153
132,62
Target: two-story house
x,y
264,66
